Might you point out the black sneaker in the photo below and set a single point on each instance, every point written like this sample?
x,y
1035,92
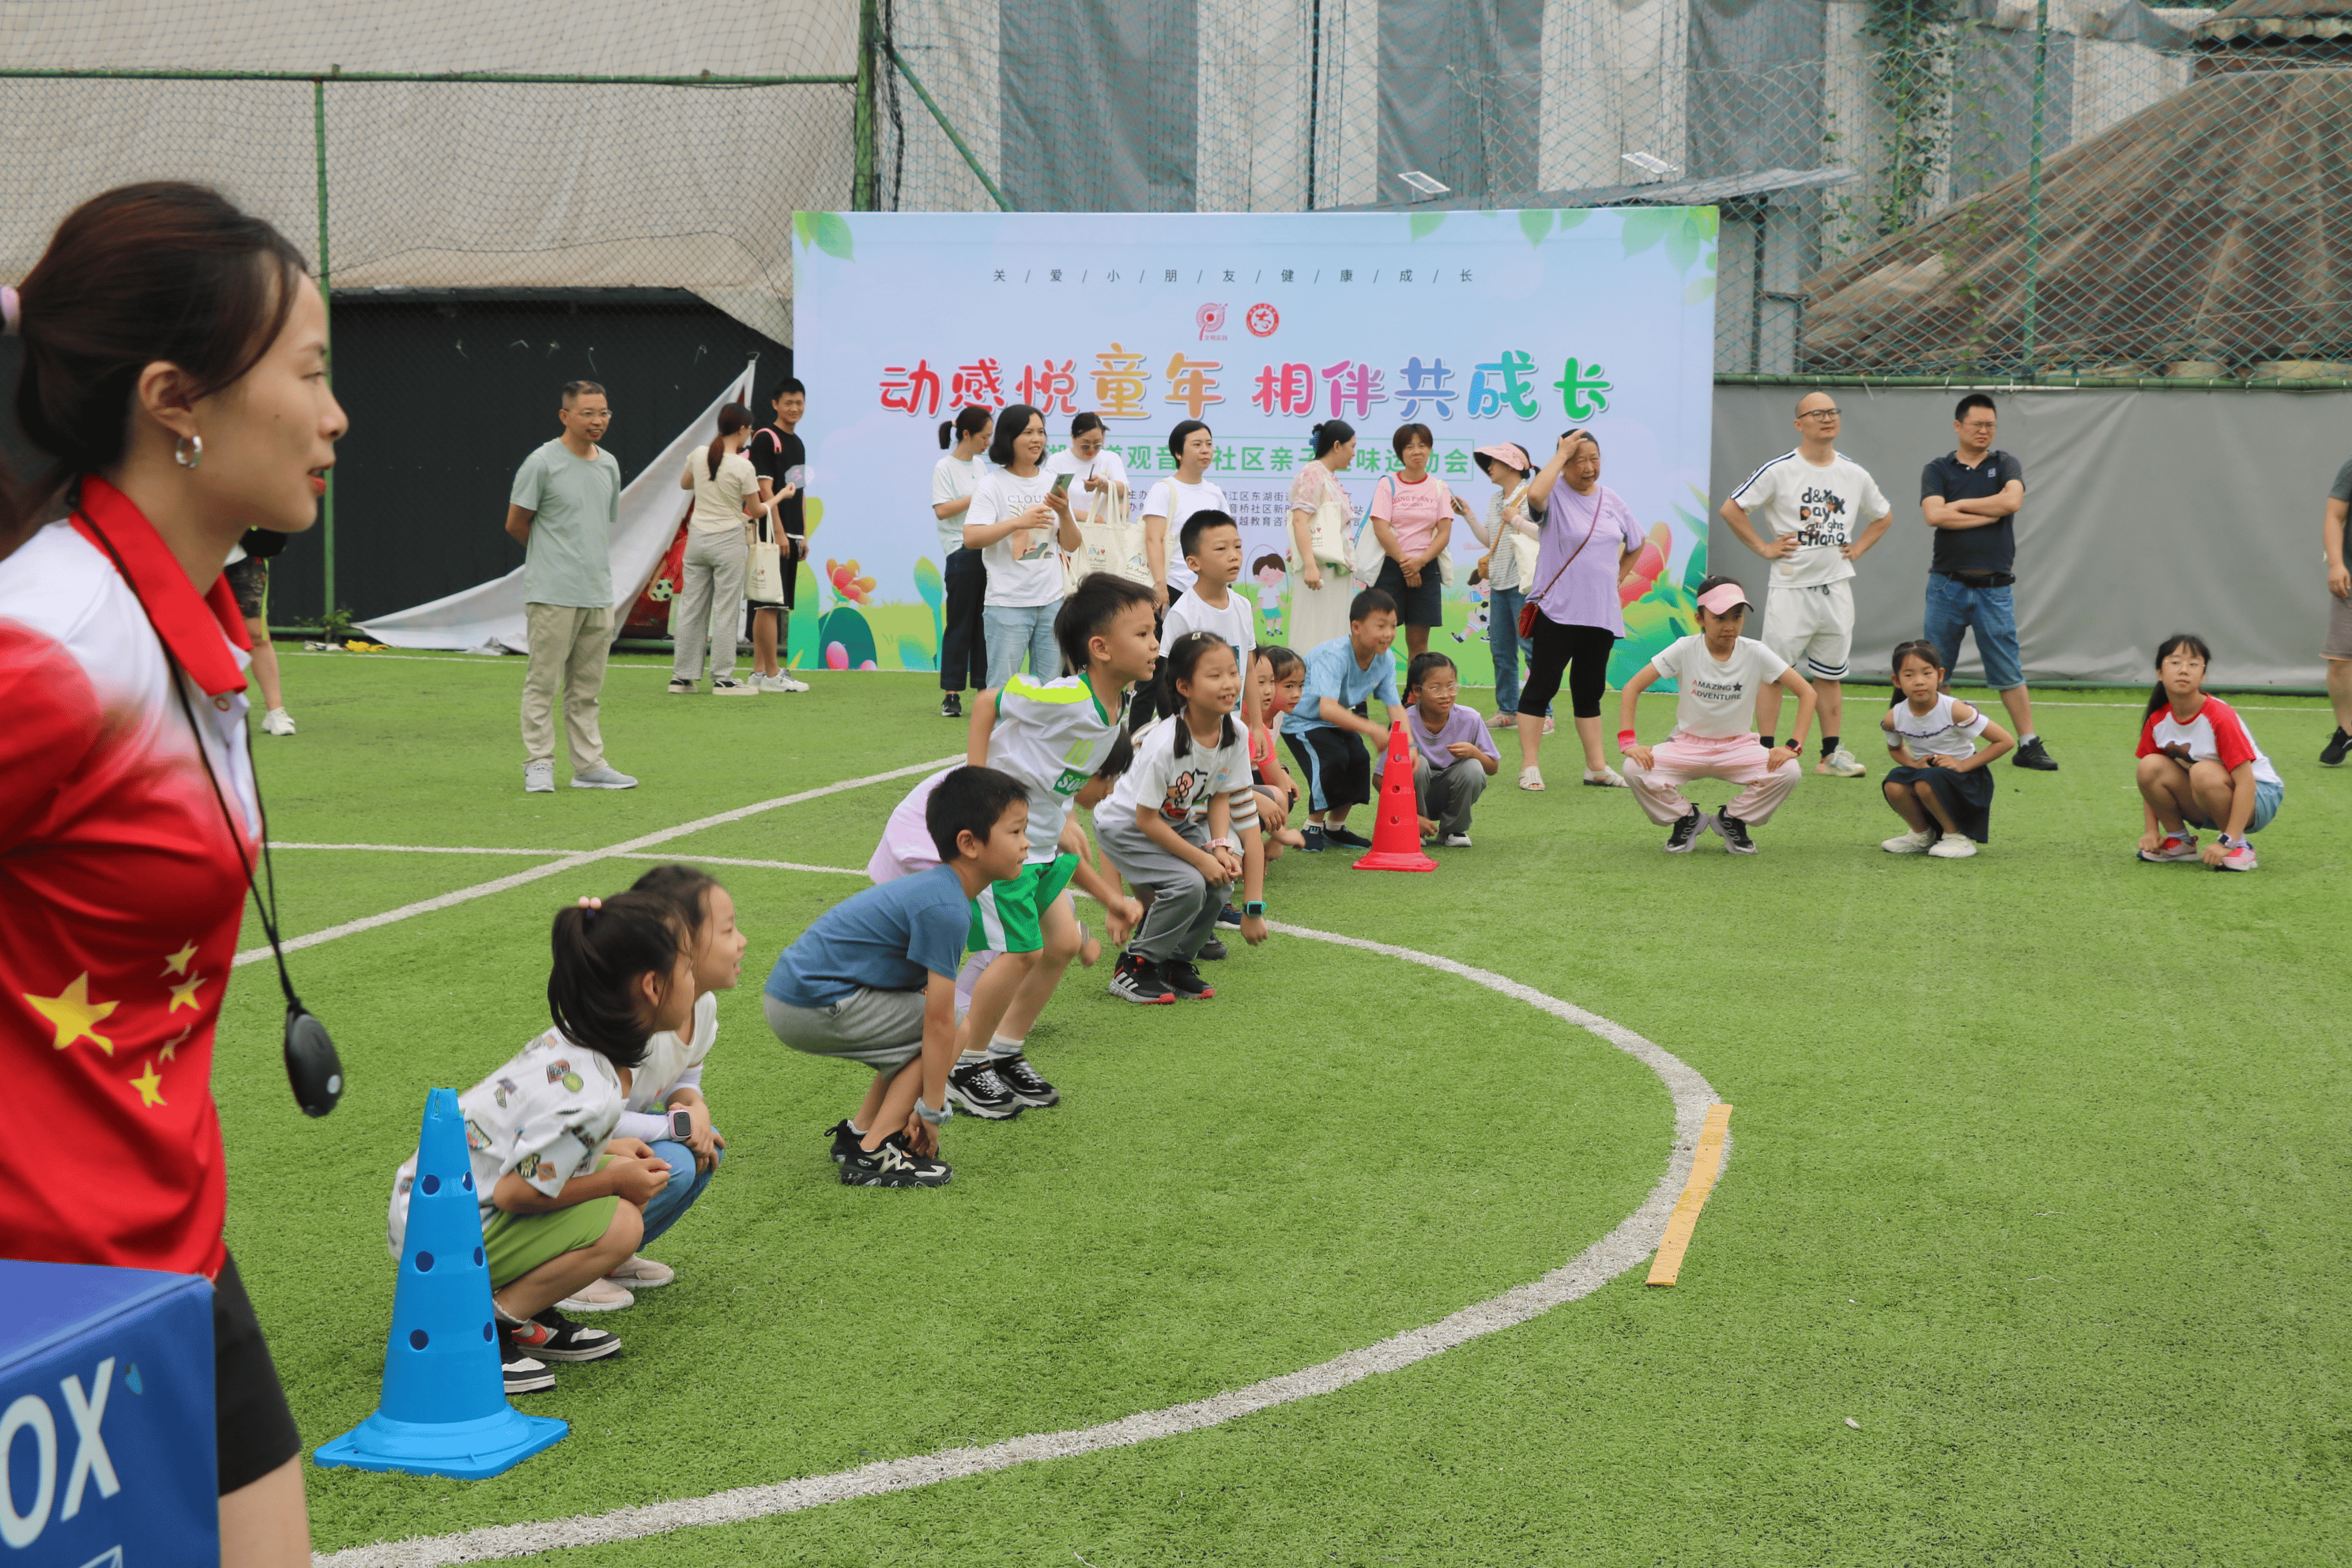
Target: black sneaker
x,y
846,1140
938,1169
681,688
951,706
552,1336
1316,841
1023,1081
2332,754
2032,754
1735,834
974,1088
1229,916
892,1166
524,1374
1137,979
1686,831
1347,836
1212,951
1185,980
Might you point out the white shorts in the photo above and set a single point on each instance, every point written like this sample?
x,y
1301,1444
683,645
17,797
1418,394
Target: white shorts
x,y
1813,628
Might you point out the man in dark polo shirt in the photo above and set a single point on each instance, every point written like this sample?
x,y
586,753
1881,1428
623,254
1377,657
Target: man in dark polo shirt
x,y
1970,498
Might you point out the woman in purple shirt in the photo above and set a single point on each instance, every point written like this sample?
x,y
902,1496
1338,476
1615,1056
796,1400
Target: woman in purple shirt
x,y
1589,540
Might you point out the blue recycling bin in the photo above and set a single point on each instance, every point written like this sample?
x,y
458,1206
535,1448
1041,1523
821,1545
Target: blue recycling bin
x,y
106,1417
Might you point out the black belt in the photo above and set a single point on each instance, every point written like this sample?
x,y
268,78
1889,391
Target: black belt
x,y
1979,579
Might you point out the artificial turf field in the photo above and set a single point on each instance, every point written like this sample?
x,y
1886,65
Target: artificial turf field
x,y
2037,1173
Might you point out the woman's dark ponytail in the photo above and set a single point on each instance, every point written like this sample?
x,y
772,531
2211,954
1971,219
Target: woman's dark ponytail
x,y
599,953
1329,434
971,421
731,418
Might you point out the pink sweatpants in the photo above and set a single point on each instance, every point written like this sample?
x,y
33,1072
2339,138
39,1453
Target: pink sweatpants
x,y
1738,759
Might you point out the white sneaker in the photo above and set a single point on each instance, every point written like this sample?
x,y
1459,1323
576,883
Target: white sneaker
x,y
728,686
642,1274
1910,842
276,721
1953,847
786,683
1842,763
764,682
539,778
1607,778
600,1296
681,687
1455,841
600,777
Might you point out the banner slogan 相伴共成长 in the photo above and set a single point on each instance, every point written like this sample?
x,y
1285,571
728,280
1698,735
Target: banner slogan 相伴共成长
x,y
1486,327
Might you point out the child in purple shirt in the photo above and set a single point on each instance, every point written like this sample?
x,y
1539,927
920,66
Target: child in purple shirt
x,y
1453,755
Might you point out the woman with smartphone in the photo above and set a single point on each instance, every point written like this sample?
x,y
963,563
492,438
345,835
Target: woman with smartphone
x,y
1019,515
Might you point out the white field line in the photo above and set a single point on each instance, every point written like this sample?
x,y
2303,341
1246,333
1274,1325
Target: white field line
x,y
1634,1239
462,849
585,857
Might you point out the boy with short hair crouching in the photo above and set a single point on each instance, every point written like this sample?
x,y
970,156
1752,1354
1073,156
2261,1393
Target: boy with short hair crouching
x,y
1453,756
872,980
1717,673
1325,732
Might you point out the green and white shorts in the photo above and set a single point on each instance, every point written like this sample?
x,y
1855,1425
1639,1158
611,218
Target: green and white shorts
x,y
1010,916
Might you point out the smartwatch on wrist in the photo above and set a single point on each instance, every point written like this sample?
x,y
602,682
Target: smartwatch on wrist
x,y
1254,907
681,1124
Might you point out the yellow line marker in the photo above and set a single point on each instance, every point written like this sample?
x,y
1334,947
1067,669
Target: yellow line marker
x,y
1684,1219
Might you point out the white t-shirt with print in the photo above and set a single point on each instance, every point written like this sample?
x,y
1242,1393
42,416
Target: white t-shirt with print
x,y
1825,507
1176,500
1106,464
1024,568
1237,622
1718,698
953,479
545,1115
1181,789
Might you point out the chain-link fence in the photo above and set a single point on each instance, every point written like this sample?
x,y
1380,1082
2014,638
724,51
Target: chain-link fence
x,y
1949,189
1944,188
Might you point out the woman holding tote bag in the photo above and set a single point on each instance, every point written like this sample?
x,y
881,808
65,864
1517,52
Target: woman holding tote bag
x,y
1321,586
717,552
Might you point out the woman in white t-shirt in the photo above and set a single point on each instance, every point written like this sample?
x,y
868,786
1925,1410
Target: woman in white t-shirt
x,y
1095,472
1322,522
717,548
1171,501
962,651
1016,519
1717,673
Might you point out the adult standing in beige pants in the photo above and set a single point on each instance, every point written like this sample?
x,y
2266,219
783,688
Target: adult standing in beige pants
x,y
566,498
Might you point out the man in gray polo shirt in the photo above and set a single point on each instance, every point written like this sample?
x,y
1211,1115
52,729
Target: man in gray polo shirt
x,y
567,497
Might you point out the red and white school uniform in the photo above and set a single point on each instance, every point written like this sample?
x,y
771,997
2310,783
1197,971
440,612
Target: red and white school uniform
x,y
121,888
2215,733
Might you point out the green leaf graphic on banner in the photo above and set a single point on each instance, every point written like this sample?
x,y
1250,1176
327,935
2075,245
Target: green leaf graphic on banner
x,y
1682,244
1536,223
829,231
1644,226
1699,289
1573,219
1426,223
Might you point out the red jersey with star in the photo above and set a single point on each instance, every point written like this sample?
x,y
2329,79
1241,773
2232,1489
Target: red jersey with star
x,y
121,890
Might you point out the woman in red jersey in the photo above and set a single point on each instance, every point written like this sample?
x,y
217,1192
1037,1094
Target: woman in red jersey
x,y
176,366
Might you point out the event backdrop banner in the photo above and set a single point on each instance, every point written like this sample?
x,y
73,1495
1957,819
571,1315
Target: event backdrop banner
x,y
1487,327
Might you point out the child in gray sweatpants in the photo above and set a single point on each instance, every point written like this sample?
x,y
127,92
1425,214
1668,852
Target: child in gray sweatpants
x,y
1182,822
1453,754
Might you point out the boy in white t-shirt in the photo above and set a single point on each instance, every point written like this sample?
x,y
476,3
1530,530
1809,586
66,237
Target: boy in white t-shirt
x,y
1811,499
1718,673
1212,543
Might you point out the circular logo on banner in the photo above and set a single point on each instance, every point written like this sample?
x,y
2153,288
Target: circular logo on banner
x,y
1263,319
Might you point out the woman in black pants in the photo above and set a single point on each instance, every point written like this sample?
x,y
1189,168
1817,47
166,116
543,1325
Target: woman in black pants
x,y
963,647
1589,540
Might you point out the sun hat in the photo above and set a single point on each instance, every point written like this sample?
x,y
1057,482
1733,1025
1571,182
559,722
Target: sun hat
x,y
1508,455
1723,598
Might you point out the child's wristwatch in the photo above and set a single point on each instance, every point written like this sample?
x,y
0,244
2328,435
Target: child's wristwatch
x,y
1254,907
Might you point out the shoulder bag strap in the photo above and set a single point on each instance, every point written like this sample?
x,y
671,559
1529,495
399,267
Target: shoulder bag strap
x,y
1593,528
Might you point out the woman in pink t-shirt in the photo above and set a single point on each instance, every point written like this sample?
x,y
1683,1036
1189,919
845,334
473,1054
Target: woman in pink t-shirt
x,y
1413,515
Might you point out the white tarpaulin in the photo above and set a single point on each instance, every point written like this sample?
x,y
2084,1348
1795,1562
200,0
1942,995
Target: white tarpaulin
x,y
652,505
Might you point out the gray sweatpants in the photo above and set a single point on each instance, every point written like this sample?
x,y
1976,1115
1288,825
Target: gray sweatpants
x,y
878,1029
711,603
1183,913
1450,795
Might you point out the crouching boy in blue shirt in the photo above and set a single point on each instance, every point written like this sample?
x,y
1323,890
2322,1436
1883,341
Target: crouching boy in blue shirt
x,y
872,980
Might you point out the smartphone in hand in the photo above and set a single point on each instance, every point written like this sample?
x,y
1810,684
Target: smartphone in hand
x,y
1062,483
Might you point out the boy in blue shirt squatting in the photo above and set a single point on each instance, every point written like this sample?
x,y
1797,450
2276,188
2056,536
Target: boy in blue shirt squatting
x,y
872,980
